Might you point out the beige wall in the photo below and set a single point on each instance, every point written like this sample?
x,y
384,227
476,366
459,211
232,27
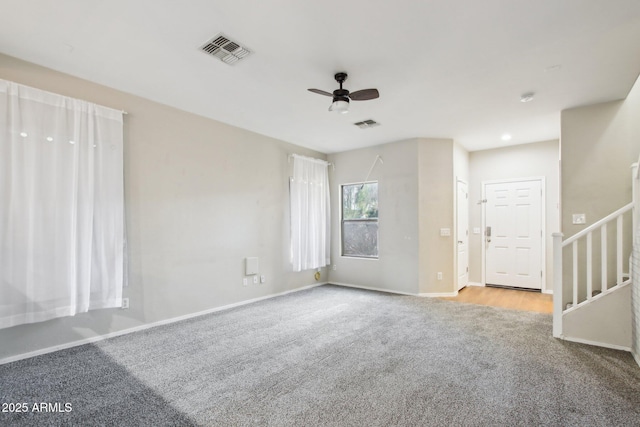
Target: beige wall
x,y
200,197
598,144
538,159
436,211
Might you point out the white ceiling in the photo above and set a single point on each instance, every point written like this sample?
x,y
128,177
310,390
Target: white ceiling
x,y
444,68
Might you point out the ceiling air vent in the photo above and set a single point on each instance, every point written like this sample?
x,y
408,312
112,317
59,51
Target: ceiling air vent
x,y
366,124
225,49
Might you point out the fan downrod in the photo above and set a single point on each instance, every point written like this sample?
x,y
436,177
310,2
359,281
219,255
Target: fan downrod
x,y
340,78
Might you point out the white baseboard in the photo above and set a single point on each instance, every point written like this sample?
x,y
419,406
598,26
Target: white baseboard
x,y
475,284
147,326
636,357
547,291
389,291
598,344
438,294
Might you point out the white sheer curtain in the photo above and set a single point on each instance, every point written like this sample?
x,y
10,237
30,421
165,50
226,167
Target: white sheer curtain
x,y
310,214
61,206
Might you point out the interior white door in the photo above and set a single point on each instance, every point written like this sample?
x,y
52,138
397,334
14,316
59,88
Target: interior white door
x,y
513,234
462,233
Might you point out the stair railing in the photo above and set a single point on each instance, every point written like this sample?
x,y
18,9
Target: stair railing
x,y
587,235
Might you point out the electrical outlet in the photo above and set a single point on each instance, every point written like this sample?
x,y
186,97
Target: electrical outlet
x,y
439,275
125,303
335,267
255,280
445,232
263,279
245,281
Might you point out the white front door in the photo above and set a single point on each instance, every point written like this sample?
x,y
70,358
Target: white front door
x,y
462,233
513,234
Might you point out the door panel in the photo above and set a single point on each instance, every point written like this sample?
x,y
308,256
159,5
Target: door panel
x,y
513,253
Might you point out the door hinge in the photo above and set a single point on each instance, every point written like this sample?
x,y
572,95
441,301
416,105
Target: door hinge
x,y
541,274
467,269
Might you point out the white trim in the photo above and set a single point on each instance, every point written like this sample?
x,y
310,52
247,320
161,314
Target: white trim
x,y
459,180
596,343
636,357
147,326
475,284
438,294
547,291
597,297
423,295
369,288
339,204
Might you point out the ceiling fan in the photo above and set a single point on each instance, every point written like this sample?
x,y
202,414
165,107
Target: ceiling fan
x,y
341,96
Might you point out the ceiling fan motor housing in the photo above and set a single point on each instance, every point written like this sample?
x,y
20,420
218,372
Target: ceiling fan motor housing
x,y
341,95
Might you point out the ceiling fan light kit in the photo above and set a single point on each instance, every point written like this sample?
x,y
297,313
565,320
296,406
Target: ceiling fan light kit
x,y
340,106
341,97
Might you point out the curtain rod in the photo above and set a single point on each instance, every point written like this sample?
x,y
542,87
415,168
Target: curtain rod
x,y
289,156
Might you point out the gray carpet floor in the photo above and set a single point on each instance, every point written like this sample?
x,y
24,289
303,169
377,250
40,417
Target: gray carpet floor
x,y
333,356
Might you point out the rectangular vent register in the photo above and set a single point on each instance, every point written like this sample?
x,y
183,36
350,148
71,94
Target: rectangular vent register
x,y
225,49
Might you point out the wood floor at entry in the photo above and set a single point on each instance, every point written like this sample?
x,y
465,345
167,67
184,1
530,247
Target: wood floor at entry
x,y
506,298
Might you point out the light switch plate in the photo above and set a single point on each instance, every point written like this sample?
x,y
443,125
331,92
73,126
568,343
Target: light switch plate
x,y
579,219
476,230
445,232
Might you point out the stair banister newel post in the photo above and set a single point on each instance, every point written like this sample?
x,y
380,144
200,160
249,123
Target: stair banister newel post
x,y
557,285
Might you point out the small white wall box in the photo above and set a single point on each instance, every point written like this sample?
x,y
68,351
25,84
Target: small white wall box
x,y
579,219
251,266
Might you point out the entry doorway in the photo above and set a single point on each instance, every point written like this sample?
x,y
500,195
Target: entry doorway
x,y
514,233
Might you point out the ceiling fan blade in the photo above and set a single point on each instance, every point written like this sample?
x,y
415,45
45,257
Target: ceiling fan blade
x,y
364,94
320,92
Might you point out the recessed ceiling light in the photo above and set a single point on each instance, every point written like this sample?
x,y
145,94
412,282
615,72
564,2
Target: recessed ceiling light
x,y
552,68
506,137
24,134
527,97
50,138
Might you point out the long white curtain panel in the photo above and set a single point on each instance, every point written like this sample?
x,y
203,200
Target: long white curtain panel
x,y
310,214
61,206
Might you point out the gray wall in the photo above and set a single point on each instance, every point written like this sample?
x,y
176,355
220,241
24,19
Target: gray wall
x,y
200,197
396,269
519,161
416,185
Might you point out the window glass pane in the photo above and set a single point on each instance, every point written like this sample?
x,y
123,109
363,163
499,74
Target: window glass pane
x,y
360,238
360,201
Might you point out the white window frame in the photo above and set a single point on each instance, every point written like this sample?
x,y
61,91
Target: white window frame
x,y
369,220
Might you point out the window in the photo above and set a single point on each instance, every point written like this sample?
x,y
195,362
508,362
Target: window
x,y
360,220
